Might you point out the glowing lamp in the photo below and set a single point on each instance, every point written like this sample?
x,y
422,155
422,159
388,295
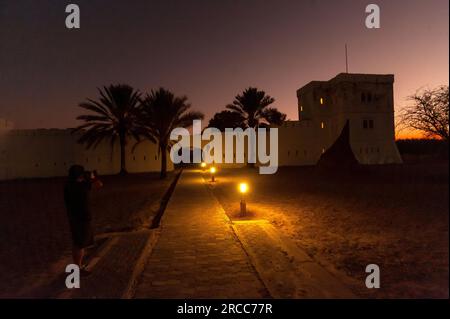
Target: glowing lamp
x,y
243,188
203,165
212,170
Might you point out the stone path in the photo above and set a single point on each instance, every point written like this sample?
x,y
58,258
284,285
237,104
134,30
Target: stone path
x,y
197,254
114,268
287,271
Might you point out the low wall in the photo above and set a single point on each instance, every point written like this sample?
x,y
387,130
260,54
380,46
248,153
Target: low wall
x,y
50,152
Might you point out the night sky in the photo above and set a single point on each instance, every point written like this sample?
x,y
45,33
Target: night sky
x,y
209,50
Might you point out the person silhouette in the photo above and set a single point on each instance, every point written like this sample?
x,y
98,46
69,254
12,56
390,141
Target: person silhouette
x,y
77,202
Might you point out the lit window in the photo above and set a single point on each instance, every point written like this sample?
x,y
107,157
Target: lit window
x,y
322,125
301,108
323,150
321,100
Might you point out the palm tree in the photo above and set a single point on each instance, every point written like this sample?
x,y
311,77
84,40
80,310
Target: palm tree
x,y
114,117
161,112
227,119
253,106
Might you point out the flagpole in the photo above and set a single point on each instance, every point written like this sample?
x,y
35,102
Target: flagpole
x,y
346,59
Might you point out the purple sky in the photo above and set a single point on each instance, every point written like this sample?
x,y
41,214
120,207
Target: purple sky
x,y
208,50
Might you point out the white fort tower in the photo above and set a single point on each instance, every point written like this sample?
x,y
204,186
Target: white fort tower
x,y
365,101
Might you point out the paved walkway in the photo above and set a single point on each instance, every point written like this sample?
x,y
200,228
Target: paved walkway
x,y
198,255
287,271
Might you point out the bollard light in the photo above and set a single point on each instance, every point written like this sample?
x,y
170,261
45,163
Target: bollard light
x,y
212,170
243,189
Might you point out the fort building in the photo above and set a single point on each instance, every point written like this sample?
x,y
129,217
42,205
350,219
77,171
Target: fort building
x,y
364,101
50,152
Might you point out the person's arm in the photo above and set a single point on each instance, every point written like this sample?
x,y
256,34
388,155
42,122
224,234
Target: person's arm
x,y
96,183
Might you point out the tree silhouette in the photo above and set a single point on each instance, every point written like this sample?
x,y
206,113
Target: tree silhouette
x,y
428,113
114,118
253,106
227,119
161,112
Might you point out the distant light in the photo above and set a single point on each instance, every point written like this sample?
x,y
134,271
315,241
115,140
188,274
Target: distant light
x,y
301,108
203,164
243,187
322,125
212,170
321,100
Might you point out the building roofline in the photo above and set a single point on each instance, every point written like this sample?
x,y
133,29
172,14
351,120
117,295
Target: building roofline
x,y
349,77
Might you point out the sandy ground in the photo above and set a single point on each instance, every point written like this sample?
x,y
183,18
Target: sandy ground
x,y
34,232
392,216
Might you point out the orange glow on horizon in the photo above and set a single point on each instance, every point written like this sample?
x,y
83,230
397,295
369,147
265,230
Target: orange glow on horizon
x,y
412,135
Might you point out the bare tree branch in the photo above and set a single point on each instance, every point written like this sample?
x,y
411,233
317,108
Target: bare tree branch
x,y
428,113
